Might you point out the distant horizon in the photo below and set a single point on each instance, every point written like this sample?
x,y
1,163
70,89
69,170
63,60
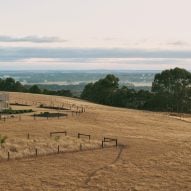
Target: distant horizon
x,y
78,70
87,70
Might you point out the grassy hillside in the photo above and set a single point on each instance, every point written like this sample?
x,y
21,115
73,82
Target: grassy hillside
x,y
156,152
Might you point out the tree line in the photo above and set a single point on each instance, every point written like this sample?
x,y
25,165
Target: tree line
x,y
171,91
9,84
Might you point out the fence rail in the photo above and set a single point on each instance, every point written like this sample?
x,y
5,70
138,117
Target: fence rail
x,y
84,135
58,132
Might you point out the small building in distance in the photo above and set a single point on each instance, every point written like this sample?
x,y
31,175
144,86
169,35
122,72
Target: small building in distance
x,y
4,101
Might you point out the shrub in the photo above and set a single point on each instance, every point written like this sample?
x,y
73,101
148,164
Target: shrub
x,y
2,140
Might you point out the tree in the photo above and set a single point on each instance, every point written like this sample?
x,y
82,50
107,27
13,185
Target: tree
x,y
9,84
124,97
173,88
171,91
107,91
87,92
102,90
35,89
66,93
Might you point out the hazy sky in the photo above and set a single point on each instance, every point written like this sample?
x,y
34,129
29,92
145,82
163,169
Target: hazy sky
x,y
89,26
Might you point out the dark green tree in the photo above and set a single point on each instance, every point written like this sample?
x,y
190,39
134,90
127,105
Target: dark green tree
x,y
124,97
9,84
102,90
172,89
35,89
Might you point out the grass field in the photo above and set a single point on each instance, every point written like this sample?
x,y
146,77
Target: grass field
x,y
156,151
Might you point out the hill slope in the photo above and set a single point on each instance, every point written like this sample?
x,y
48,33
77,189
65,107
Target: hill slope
x,y
156,153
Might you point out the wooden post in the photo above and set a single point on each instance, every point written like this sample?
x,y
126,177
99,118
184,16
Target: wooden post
x,y
36,152
28,136
102,144
8,156
58,149
78,135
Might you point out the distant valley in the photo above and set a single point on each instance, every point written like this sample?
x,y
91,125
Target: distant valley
x,y
75,81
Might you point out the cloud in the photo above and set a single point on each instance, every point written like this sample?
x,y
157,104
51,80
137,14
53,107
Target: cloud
x,y
33,39
178,43
15,54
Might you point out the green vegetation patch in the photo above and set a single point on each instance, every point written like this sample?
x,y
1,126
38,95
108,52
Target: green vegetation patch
x,y
2,140
11,111
48,114
171,91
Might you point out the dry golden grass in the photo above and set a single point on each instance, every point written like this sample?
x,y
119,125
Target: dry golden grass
x,y
24,147
156,153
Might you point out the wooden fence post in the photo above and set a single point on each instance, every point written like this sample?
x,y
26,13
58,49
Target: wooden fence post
x,y
8,156
58,149
36,152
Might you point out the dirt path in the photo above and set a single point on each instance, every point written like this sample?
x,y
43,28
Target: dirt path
x,y
105,167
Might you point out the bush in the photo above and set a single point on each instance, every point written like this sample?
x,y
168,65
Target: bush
x,y
11,111
2,140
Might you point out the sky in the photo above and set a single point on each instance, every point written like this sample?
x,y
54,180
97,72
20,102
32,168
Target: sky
x,y
95,34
